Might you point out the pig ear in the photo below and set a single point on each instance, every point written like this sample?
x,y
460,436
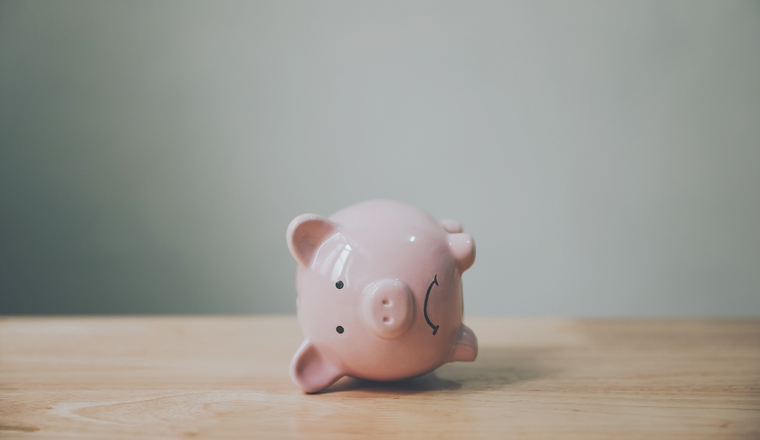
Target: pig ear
x,y
450,225
305,235
462,247
310,370
466,347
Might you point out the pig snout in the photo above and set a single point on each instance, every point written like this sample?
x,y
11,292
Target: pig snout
x,y
388,308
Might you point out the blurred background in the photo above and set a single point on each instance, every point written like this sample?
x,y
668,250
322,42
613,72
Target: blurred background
x,y
605,155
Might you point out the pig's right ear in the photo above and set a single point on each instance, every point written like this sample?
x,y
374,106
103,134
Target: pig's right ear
x,y
311,371
305,235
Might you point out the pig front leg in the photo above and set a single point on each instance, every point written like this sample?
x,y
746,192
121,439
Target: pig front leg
x,y
466,347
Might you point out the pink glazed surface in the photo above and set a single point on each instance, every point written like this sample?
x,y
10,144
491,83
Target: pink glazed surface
x,y
379,293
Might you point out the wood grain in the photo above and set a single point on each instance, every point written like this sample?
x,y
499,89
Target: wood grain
x,y
227,377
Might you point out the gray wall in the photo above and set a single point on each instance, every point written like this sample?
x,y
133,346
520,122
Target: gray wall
x,y
605,155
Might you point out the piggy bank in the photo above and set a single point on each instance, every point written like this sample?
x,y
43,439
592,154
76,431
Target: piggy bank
x,y
379,294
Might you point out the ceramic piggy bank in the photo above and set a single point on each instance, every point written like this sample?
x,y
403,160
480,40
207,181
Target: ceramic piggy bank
x,y
379,294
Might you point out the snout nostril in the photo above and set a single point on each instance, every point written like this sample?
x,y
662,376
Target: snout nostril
x,y
388,308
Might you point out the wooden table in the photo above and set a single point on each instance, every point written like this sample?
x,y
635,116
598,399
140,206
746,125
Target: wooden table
x,y
227,377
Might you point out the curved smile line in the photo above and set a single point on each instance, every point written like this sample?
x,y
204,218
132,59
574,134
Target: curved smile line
x,y
434,327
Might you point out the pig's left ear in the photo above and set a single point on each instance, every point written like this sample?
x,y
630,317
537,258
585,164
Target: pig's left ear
x,y
305,235
462,247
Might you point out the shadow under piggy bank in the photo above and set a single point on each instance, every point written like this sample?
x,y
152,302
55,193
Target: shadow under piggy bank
x,y
495,368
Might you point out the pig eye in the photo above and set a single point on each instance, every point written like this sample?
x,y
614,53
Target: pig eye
x,y
339,329
339,284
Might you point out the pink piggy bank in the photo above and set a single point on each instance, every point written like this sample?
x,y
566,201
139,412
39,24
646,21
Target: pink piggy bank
x,y
379,294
